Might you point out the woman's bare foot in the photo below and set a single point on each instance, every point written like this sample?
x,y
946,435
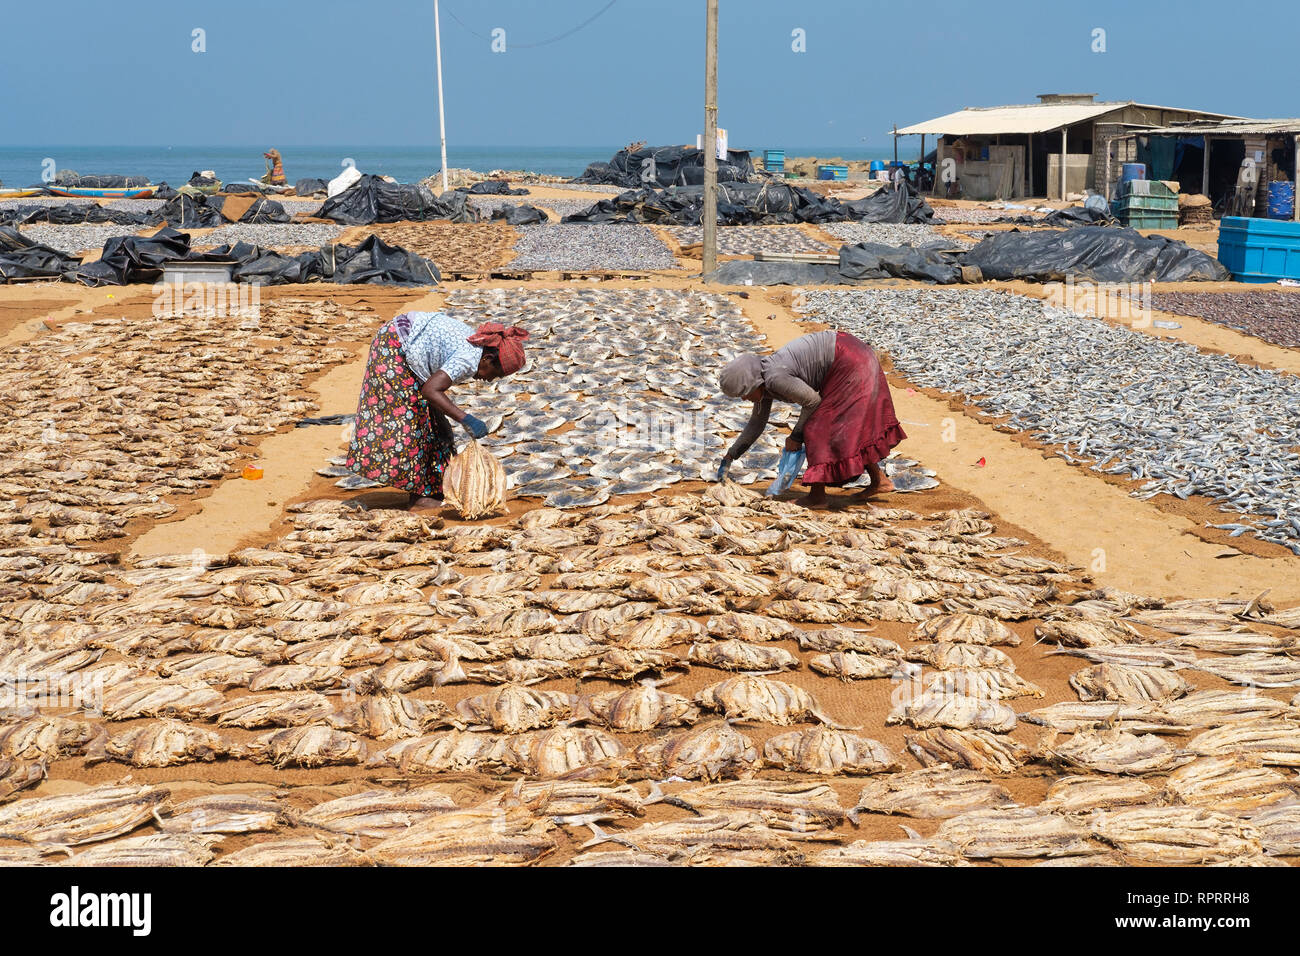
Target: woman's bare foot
x,y
816,498
425,504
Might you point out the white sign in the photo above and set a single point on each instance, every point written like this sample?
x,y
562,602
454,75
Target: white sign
x,y
722,142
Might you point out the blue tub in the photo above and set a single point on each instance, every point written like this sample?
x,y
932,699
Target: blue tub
x,y
1259,250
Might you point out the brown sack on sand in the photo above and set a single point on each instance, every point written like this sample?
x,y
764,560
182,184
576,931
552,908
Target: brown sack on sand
x,y
475,483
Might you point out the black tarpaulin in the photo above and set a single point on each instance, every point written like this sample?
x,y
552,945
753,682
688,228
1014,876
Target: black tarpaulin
x,y
128,259
371,199
20,258
522,215
659,166
1095,253
491,187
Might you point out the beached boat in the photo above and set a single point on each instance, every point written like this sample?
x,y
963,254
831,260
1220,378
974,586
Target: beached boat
x,y
117,192
19,193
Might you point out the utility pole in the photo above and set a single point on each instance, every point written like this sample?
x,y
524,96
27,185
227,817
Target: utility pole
x,y
711,139
442,122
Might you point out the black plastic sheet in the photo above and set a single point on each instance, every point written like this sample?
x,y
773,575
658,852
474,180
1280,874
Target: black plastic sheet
x,y
522,215
755,204
491,187
310,186
371,199
20,258
128,259
659,166
874,260
1096,253
71,214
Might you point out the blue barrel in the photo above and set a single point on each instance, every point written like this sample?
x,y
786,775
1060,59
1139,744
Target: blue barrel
x,y
1281,200
1132,171
877,164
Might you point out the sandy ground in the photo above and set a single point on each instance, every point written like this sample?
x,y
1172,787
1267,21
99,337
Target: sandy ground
x,y
1060,510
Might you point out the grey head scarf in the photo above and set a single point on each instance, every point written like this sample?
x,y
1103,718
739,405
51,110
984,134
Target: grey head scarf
x,y
741,375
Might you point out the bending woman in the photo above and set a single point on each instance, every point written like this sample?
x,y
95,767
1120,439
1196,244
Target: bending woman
x,y
402,437
847,424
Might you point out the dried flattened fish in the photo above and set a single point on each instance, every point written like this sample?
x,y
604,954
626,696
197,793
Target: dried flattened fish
x,y
165,743
1017,833
955,711
98,813
513,708
989,683
378,813
638,709
962,628
1121,682
801,807
850,666
892,853
970,749
736,655
311,745
748,697
1116,751
935,792
829,752
1231,784
1082,794
1176,835
560,750
709,753
453,751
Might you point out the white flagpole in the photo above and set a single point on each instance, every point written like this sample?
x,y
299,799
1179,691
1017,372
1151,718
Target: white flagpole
x,y
442,122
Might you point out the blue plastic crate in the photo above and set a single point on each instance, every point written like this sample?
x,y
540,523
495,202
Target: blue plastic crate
x,y
1259,250
832,172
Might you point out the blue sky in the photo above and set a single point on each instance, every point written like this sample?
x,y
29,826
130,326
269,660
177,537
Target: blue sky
x,y
307,72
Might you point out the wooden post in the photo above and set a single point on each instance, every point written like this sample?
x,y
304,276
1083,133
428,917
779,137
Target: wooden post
x,y
895,142
1029,163
1205,167
1064,134
710,254
920,163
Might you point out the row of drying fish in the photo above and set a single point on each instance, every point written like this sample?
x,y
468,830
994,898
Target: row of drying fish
x,y
1082,820
1157,411
110,419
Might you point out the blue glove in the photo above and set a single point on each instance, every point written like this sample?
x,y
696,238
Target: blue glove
x,y
787,470
723,469
474,426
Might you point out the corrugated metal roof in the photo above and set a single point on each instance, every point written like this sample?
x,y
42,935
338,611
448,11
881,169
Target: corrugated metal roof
x,y
1230,127
1030,118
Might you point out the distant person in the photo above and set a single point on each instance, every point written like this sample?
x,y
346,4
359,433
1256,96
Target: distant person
x,y
274,169
847,423
402,437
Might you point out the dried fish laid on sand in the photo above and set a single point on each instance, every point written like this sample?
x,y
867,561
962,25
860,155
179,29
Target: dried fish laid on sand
x,y
1117,751
1121,682
1175,835
378,813
970,749
1083,794
1017,833
711,752
801,807
761,699
474,483
1049,374
892,853
955,711
1231,784
936,792
98,813
821,750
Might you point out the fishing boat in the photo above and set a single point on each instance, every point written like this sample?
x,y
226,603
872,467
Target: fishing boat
x,y
19,193
112,192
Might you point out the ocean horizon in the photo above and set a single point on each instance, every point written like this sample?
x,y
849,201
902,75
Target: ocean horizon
x,y
25,165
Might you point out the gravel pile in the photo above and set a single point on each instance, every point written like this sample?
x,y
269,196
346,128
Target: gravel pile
x,y
561,207
974,215
891,234
272,235
577,247
749,240
1271,316
76,238
130,205
586,187
1156,411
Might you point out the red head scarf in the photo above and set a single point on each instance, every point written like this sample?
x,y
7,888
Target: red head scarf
x,y
506,340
